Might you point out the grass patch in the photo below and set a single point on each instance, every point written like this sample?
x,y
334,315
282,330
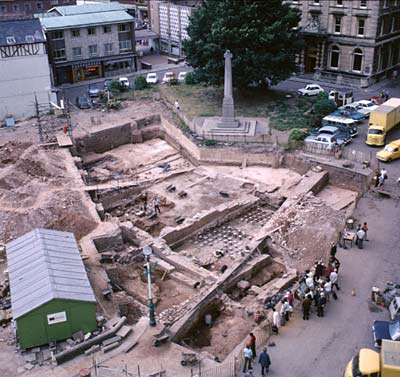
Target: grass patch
x,y
284,113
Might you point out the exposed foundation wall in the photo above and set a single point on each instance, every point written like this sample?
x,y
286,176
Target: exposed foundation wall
x,y
221,213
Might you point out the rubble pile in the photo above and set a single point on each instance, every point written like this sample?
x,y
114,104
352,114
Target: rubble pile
x,y
305,230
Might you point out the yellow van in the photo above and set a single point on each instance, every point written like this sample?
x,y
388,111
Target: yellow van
x,y
390,152
365,363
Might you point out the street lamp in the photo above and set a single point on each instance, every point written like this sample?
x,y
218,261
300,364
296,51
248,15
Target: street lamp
x,y
147,251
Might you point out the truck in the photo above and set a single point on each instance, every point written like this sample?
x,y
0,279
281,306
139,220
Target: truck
x,y
369,363
382,120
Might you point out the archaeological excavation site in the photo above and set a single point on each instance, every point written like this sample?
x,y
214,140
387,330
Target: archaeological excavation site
x,y
231,228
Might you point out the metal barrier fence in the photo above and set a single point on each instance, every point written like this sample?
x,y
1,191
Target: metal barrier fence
x,y
106,371
318,149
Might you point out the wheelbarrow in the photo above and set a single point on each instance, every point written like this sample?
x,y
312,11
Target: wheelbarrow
x,y
189,359
162,337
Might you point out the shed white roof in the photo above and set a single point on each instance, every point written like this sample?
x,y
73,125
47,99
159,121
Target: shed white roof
x,y
44,265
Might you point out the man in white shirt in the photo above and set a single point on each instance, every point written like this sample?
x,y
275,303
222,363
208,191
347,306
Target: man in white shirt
x,y
276,320
360,238
310,282
248,356
333,277
328,289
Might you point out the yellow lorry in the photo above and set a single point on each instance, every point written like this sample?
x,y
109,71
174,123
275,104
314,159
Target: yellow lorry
x,y
382,120
369,363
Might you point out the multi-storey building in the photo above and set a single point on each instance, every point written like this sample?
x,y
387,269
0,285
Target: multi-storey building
x,y
89,41
16,9
140,8
24,67
350,41
170,20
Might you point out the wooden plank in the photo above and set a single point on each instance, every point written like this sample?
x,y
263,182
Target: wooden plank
x,y
64,140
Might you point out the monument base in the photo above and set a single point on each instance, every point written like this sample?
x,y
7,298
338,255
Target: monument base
x,y
216,128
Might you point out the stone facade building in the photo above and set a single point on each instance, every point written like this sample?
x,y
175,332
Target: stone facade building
x,y
90,41
24,69
16,9
354,42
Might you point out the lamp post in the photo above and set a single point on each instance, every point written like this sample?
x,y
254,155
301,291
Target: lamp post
x,y
147,251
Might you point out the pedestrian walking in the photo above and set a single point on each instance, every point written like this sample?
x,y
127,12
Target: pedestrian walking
x,y
333,249
285,309
290,298
252,344
248,356
156,205
335,263
383,173
395,74
321,304
333,277
386,94
276,321
265,361
360,238
328,289
306,306
365,229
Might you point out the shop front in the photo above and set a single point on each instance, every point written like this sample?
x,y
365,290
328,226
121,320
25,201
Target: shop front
x,y
119,67
87,71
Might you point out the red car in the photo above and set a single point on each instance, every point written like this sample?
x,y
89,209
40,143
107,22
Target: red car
x,y
377,100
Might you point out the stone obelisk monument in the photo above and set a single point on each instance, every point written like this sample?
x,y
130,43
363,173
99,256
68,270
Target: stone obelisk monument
x,y
228,109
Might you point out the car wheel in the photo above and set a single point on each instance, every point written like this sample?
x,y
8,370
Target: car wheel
x,y
389,159
306,94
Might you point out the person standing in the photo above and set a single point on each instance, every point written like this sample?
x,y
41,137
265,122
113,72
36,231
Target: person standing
x,y
177,106
365,229
321,304
248,356
360,238
333,249
276,321
328,289
252,344
265,361
333,277
306,305
310,281
156,205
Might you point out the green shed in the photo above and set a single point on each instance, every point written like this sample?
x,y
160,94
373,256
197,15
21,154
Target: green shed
x,y
51,296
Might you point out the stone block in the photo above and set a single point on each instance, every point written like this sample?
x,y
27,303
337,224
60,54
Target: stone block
x,y
124,331
111,346
29,357
243,284
78,336
111,340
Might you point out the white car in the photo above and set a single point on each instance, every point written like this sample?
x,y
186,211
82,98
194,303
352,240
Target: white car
x,y
123,82
182,76
168,76
152,78
323,140
311,90
363,107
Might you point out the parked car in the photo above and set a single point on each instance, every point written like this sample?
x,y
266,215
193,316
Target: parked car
x,y
124,82
152,78
324,140
349,113
107,84
310,90
93,92
377,100
338,133
385,330
182,76
168,76
366,106
82,102
390,152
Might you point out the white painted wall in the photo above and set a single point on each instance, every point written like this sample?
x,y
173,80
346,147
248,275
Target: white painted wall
x,y
21,78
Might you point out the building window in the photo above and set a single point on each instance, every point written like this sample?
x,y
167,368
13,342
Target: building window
x,y
3,9
338,24
363,3
76,33
108,48
357,60
106,29
10,40
59,34
124,27
77,52
93,50
39,6
29,38
335,52
54,2
361,26
385,3
59,54
339,3
125,45
316,2
27,7
91,31
16,8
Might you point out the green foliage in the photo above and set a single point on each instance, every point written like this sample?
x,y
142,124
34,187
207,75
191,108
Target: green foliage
x,y
189,79
262,36
210,143
115,87
298,134
321,96
140,83
324,107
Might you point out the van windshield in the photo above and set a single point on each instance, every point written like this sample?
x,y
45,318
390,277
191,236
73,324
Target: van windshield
x,y
375,132
389,149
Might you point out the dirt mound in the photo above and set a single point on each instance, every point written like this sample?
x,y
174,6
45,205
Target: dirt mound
x,y
11,152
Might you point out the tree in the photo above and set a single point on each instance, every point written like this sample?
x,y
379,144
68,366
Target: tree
x,y
262,36
140,83
324,107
